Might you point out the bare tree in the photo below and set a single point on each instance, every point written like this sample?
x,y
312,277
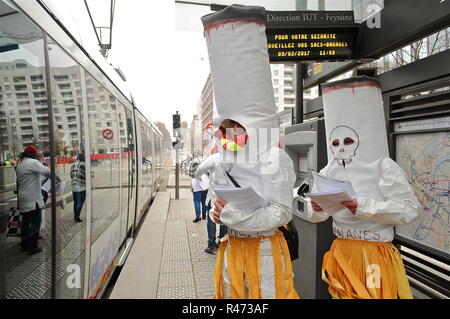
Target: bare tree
x,y
412,52
15,149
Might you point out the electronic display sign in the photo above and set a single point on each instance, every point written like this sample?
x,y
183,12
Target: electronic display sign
x,y
311,44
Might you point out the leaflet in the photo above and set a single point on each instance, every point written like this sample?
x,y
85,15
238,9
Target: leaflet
x,y
59,187
245,198
330,201
325,184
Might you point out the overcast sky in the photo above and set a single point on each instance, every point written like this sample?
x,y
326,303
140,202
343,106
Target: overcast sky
x,y
165,68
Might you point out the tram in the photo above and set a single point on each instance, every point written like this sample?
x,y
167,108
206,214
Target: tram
x,y
58,93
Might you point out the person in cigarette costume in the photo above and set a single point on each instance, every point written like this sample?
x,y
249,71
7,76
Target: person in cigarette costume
x,y
253,259
362,261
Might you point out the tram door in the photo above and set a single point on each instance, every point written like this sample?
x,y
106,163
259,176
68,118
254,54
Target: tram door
x,y
127,172
132,171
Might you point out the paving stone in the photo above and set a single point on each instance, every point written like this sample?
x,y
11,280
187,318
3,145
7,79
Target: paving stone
x,y
175,266
186,271
177,279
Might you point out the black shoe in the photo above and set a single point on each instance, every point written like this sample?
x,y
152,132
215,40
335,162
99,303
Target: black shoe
x,y
197,219
78,220
217,245
210,250
23,249
204,216
33,251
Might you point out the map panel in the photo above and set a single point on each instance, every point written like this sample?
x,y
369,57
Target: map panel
x,y
425,157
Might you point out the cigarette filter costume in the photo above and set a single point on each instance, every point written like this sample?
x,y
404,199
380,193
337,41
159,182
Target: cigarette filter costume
x,y
362,262
253,262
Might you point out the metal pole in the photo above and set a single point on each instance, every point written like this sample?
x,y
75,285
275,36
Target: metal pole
x,y
52,141
177,173
299,93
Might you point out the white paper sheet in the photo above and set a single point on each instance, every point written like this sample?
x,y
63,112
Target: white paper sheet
x,y
245,199
295,191
327,185
330,201
47,186
59,187
205,182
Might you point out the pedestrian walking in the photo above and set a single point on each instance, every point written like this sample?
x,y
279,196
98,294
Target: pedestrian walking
x,y
199,191
78,176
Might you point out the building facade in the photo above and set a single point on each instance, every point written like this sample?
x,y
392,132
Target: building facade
x,y
24,117
283,87
206,110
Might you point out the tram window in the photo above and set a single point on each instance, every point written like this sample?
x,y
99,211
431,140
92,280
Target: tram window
x,y
158,159
70,166
147,165
18,271
153,155
105,164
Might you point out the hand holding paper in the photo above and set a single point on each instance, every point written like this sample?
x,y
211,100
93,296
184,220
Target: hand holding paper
x,y
316,206
351,205
245,198
331,193
330,202
219,204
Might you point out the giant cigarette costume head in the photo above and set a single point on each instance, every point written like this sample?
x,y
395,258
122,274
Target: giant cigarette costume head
x,y
356,132
354,120
240,70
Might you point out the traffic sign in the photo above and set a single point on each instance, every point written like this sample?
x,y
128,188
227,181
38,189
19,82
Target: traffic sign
x,y
108,134
209,128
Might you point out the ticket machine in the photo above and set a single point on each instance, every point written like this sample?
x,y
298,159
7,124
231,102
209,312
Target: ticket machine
x,y
306,145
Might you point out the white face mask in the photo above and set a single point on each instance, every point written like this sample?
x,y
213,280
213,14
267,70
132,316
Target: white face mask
x,y
343,144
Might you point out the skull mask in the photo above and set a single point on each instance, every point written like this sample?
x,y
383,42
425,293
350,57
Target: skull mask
x,y
343,144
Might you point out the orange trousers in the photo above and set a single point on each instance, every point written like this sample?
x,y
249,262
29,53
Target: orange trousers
x,y
244,271
358,269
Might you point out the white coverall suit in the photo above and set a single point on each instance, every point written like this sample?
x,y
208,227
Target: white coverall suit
x,y
358,152
248,266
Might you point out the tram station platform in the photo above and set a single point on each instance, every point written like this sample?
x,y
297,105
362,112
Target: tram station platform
x,y
167,260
